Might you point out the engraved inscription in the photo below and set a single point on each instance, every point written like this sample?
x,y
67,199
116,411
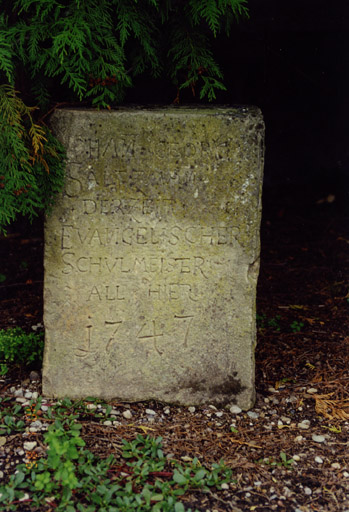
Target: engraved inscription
x,y
125,147
187,319
109,293
115,327
150,331
196,265
85,349
144,235
173,291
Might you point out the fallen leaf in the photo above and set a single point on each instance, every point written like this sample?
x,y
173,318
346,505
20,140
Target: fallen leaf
x,y
310,321
237,441
309,365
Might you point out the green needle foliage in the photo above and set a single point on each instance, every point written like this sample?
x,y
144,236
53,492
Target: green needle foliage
x,y
90,51
31,160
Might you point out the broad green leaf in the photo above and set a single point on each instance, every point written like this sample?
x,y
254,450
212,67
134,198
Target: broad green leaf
x,y
179,478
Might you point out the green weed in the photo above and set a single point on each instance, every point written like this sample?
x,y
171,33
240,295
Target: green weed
x,y
273,323
18,347
72,479
296,326
285,462
23,265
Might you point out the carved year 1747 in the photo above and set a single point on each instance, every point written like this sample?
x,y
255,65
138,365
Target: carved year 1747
x,y
149,331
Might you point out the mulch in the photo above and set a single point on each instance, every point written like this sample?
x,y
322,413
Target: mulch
x,y
301,367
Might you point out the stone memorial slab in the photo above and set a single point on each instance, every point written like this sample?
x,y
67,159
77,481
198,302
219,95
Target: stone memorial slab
x,y
152,256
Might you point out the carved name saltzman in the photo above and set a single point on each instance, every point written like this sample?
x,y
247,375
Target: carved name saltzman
x,y
151,255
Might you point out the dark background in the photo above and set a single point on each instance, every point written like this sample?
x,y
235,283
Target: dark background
x,y
291,58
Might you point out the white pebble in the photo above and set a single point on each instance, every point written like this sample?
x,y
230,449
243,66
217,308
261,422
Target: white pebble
x,y
191,409
219,414
107,423
296,458
36,424
225,486
44,408
167,410
35,395
19,392
28,394
235,409
312,390
150,412
304,425
253,415
22,400
335,465
287,492
318,438
319,460
91,407
298,439
127,414
286,419
29,445
307,491
345,474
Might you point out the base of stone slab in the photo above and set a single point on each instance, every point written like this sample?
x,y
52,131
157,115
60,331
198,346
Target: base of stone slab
x,y
217,395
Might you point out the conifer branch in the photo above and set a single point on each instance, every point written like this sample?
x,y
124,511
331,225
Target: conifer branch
x,y
92,50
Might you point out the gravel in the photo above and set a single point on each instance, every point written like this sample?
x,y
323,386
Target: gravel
x,y
253,442
234,409
318,438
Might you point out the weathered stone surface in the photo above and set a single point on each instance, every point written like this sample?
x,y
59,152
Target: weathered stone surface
x,y
152,256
